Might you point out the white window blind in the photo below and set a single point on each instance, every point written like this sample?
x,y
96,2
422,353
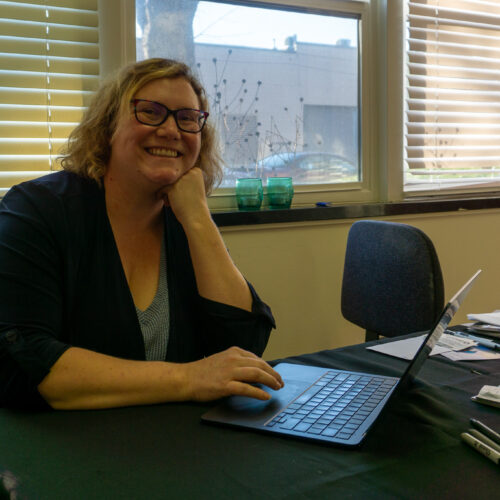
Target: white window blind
x,y
49,67
452,121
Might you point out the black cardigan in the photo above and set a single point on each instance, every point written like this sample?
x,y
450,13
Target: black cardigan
x,y
62,284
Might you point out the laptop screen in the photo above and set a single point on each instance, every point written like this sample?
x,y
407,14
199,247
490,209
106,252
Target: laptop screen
x,y
441,325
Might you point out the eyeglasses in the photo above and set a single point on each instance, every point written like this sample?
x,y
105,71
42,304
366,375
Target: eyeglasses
x,y
154,114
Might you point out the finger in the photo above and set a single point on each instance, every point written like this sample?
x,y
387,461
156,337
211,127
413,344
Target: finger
x,y
263,365
248,359
250,391
257,376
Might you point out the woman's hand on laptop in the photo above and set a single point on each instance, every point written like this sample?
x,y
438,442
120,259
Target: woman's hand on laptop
x,y
230,373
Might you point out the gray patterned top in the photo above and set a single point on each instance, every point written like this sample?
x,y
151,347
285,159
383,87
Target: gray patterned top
x,y
154,321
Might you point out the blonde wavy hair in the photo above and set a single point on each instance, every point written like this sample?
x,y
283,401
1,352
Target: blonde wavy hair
x,y
88,149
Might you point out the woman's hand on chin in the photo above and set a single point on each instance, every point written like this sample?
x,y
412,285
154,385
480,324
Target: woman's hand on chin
x,y
187,196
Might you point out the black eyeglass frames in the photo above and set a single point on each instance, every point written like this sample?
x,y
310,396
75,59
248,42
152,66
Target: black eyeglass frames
x,y
154,114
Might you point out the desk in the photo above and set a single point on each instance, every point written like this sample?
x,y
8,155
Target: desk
x,y
165,451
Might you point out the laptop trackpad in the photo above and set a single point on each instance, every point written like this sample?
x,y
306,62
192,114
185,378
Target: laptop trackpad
x,y
238,410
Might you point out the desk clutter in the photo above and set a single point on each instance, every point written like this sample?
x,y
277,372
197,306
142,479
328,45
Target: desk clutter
x,y
488,395
454,344
487,324
451,345
483,439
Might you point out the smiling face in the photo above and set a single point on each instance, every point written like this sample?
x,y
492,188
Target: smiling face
x,y
154,157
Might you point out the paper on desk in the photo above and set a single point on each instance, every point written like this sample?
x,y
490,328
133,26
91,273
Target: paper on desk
x,y
476,353
454,343
492,318
407,348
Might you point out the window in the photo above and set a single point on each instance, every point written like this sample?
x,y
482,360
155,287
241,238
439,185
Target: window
x,y
283,84
452,91
408,106
49,67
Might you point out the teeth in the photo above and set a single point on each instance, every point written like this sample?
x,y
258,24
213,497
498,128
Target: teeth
x,y
163,152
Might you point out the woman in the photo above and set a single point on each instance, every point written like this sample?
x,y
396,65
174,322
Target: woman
x,y
116,288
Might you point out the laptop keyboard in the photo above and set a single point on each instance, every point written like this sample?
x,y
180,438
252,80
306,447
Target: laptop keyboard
x,y
335,406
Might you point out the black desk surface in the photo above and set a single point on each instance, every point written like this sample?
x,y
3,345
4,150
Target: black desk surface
x,y
165,451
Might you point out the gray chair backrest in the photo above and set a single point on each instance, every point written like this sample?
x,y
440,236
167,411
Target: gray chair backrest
x,y
392,283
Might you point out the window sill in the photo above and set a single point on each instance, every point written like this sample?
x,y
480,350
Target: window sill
x,y
352,211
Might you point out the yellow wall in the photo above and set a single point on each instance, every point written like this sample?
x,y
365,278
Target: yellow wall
x,y
297,269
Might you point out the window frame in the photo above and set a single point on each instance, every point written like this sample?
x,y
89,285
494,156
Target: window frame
x,y
397,12
118,48
392,117
382,56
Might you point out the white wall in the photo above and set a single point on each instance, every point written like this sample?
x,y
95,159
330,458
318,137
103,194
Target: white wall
x,y
297,269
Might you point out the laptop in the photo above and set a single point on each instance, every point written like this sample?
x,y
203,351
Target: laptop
x,y
328,405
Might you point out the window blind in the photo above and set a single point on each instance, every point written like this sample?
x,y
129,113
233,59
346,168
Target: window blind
x,y
452,84
49,67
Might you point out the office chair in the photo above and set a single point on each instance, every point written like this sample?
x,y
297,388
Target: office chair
x,y
392,283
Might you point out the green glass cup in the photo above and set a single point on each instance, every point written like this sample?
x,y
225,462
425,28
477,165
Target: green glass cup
x,y
249,193
279,192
